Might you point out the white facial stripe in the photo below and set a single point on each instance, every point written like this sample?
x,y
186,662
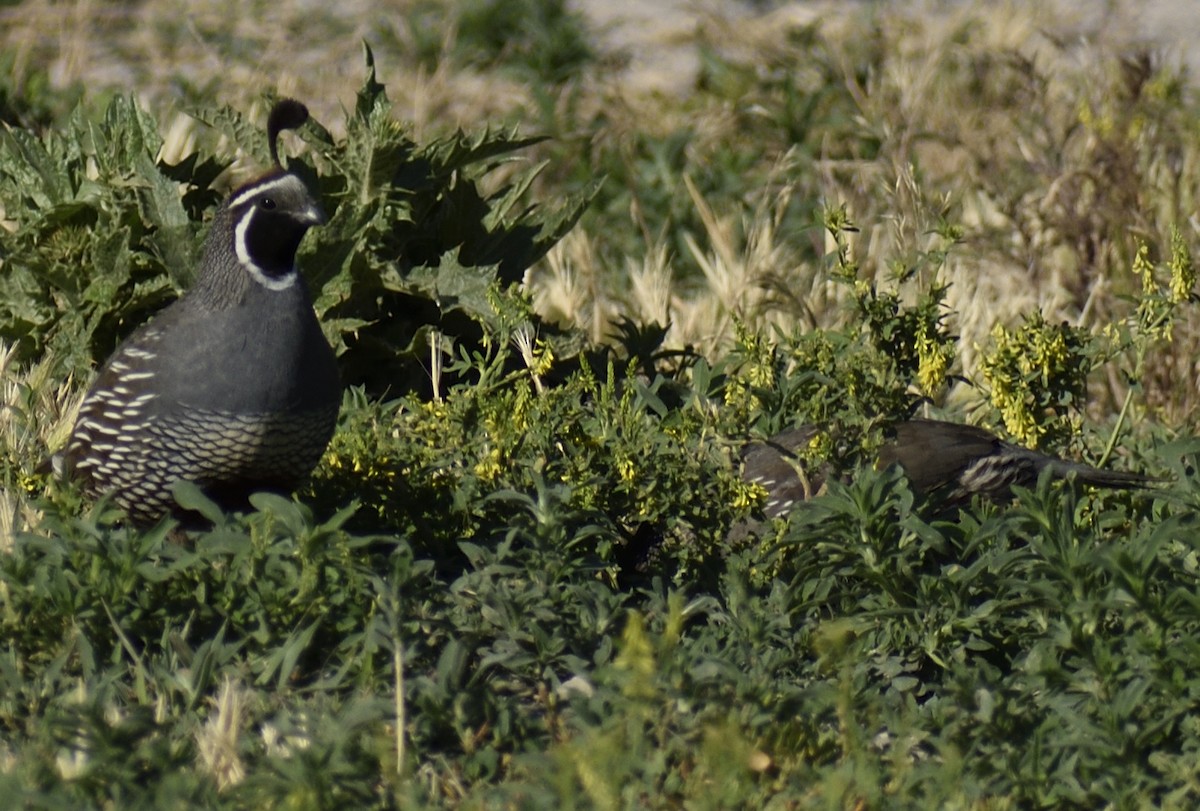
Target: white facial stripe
x,y
259,189
239,245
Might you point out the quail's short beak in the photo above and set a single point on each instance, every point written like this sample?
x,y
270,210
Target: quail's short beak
x,y
313,215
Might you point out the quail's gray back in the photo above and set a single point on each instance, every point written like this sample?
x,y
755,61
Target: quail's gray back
x,y
234,386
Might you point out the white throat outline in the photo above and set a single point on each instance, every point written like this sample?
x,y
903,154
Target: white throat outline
x,y
243,254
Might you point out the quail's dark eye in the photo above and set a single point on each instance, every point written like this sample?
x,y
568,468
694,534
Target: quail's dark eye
x,y
267,203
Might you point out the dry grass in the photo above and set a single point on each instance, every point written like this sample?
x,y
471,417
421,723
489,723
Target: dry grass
x,y
36,413
217,741
173,53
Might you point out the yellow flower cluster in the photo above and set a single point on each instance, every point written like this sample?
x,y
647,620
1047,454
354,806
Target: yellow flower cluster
x,y
1143,268
489,467
819,448
1036,352
1183,270
1018,419
1156,305
361,464
758,373
747,495
543,358
627,470
933,361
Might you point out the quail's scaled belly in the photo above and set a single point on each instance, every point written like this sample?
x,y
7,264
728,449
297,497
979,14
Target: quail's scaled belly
x,y
268,451
275,447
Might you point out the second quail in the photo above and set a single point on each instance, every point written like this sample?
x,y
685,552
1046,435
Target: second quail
x,y
946,461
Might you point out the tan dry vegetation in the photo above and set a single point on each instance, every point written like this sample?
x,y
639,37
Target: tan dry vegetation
x,y
174,52
35,414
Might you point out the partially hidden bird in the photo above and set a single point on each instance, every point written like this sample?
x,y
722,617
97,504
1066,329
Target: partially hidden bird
x,y
949,463
233,387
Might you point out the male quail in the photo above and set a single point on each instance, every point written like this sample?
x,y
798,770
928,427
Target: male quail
x,y
945,461
233,386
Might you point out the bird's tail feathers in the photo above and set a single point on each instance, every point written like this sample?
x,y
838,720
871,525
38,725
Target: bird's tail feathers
x,y
1098,477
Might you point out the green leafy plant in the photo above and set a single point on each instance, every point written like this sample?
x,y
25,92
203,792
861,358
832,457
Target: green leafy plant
x,y
1037,378
104,236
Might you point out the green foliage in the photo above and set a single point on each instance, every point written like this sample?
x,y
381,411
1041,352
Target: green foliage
x,y
1031,639
506,585
627,462
540,38
97,229
31,102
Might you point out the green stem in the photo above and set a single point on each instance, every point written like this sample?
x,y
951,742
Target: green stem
x,y
1140,352
1116,432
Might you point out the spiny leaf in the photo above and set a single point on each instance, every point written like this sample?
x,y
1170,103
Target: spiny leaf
x,y
245,135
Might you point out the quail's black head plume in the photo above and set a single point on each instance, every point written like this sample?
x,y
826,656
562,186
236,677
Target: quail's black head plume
x,y
287,114
948,462
233,386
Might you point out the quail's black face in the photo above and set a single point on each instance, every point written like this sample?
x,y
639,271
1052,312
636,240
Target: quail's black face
x,y
270,217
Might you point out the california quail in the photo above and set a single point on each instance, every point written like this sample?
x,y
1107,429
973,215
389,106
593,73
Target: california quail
x,y
948,462
233,386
